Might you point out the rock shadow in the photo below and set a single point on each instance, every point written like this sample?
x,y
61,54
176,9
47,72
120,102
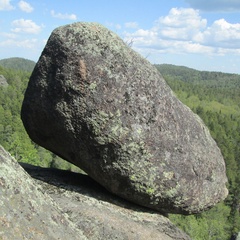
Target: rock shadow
x,y
81,183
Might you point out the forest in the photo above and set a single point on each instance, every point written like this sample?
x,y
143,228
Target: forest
x,y
214,96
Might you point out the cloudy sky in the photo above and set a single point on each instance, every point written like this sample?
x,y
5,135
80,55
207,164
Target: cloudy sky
x,y
201,34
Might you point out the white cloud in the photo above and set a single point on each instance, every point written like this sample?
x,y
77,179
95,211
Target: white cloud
x,y
63,16
180,17
131,25
26,44
181,23
190,47
5,5
185,31
25,7
222,34
8,35
25,26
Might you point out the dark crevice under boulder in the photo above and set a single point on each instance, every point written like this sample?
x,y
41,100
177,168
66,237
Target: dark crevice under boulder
x,y
98,213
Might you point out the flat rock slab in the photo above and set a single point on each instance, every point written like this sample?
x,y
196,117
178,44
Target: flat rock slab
x,y
98,213
95,102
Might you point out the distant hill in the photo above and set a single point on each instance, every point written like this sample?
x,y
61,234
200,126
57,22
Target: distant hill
x,y
207,78
18,64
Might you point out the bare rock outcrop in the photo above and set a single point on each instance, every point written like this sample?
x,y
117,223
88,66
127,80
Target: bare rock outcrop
x,y
98,104
42,204
26,212
3,81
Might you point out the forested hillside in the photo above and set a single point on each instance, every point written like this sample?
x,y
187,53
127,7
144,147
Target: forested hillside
x,y
13,136
213,96
18,64
215,91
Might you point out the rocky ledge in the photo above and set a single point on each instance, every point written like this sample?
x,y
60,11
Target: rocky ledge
x,y
38,203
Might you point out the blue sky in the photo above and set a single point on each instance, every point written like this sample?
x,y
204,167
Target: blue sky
x,y
201,34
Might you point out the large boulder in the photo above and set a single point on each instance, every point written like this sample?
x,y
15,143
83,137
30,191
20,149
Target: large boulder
x,y
54,204
98,104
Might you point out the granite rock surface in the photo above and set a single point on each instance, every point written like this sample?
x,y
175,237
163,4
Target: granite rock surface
x,y
98,104
26,212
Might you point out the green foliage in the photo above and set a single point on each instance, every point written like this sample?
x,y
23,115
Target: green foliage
x,y
215,97
13,136
206,226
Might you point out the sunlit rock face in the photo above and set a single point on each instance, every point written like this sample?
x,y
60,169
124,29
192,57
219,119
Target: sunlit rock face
x,y
98,104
